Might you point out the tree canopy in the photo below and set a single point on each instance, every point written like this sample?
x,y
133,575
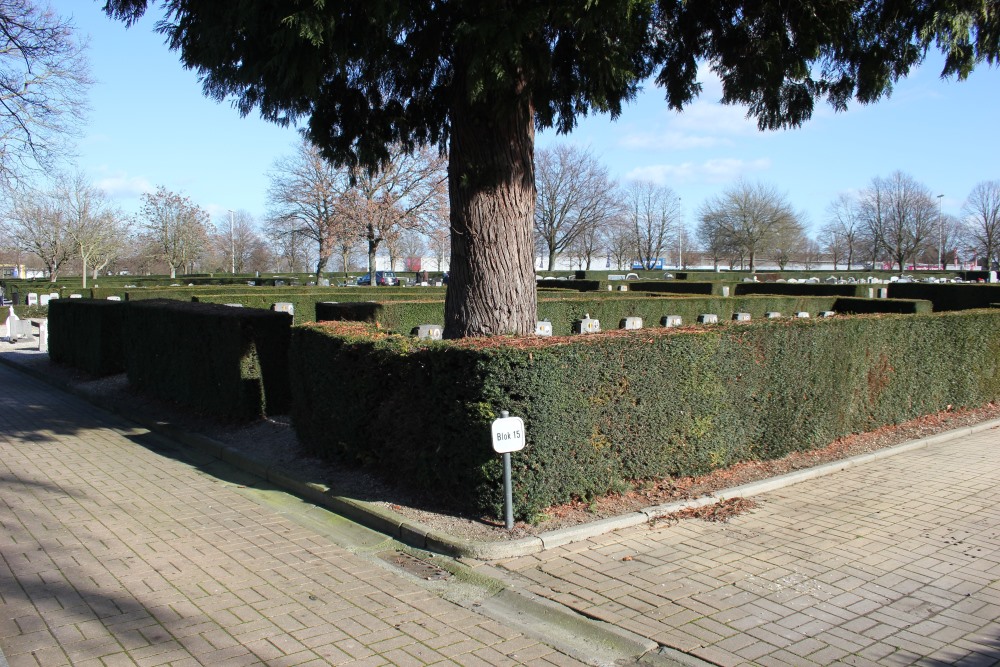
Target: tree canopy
x,y
477,79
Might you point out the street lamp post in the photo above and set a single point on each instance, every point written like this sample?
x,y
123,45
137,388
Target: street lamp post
x,y
232,241
940,235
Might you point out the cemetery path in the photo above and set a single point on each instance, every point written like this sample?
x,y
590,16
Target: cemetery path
x,y
117,548
896,562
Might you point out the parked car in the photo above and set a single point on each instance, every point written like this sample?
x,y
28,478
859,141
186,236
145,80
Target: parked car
x,y
384,278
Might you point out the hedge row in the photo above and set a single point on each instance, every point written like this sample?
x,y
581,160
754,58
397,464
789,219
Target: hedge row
x,y
87,334
801,289
305,301
857,306
228,362
403,316
670,286
948,296
233,362
609,409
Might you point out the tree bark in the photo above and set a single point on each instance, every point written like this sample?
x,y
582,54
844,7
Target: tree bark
x,y
373,240
491,286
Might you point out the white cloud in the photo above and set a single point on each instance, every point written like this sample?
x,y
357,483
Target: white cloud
x,y
122,186
721,170
703,124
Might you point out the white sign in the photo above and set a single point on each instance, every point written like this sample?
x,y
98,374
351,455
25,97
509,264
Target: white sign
x,y
508,435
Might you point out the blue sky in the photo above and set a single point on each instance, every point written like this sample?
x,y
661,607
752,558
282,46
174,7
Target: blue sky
x,y
150,125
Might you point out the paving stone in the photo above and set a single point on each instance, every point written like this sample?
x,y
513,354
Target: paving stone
x,y
121,556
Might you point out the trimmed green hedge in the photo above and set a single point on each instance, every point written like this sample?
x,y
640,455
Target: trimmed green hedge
x,y
577,285
610,309
605,410
856,306
948,296
87,334
799,289
228,362
305,301
676,287
668,286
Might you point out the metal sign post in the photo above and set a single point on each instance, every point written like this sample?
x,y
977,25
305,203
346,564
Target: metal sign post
x,y
508,436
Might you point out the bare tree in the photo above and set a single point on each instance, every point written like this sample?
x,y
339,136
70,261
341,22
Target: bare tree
x,y
982,222
812,253
177,228
787,242
409,193
588,244
438,243
841,236
748,218
306,202
348,243
289,248
653,212
575,195
411,248
35,223
618,239
95,225
899,215
43,81
235,241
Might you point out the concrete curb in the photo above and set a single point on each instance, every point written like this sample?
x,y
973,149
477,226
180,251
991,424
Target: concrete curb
x,y
417,535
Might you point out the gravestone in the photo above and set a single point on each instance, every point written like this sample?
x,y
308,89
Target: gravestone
x,y
827,313
630,323
12,318
43,336
427,332
32,299
708,318
586,325
671,320
803,315
725,290
114,298
772,315
284,307
741,317
43,300
543,328
76,296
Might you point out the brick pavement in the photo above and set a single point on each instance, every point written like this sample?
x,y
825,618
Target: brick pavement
x,y
892,563
115,555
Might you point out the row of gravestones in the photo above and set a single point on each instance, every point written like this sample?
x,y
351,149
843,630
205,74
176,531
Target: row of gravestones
x,y
586,324
35,299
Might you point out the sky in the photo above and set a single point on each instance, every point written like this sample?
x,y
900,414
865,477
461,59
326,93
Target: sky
x,y
150,125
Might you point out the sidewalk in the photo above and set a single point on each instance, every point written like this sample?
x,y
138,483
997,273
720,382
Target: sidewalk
x,y
118,551
895,561
892,563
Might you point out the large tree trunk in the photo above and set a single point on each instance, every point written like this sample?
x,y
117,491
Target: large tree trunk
x,y
491,287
